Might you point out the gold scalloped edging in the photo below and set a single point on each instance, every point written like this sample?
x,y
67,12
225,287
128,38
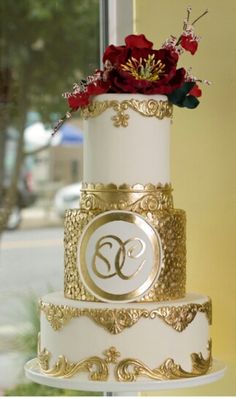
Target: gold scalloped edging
x,y
100,187
127,370
149,108
117,320
137,198
170,225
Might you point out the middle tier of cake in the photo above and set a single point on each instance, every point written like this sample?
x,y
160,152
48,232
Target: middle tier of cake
x,y
125,226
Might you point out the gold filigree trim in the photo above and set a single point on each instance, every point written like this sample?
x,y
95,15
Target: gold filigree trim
x,y
130,369
148,108
170,225
96,367
138,198
181,316
127,370
116,320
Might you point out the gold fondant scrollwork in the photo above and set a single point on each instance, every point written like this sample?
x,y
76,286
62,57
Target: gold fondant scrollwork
x,y
129,370
126,370
138,198
96,367
116,320
148,108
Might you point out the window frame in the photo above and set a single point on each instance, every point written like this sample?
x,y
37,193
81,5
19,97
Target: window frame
x,y
116,22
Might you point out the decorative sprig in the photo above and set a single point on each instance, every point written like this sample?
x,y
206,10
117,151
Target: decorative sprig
x,y
187,25
62,121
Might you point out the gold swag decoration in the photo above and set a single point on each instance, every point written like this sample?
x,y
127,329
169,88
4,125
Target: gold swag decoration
x,y
149,108
127,370
116,320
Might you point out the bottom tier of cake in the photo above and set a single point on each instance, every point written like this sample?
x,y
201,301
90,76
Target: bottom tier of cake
x,y
115,342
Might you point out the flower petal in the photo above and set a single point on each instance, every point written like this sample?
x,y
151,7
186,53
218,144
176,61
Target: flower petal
x,y
138,41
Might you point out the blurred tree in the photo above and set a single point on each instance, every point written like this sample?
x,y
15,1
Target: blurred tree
x,y
45,46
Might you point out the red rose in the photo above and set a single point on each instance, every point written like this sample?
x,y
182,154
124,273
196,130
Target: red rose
x,y
195,91
189,43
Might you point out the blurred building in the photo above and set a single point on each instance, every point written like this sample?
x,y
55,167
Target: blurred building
x,y
66,163
61,163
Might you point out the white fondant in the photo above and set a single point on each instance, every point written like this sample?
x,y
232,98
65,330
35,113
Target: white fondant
x,y
138,153
151,341
118,256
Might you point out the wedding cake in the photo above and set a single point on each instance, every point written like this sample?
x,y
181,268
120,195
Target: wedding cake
x,y
125,314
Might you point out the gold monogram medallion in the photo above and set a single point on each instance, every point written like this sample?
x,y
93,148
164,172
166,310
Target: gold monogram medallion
x,y
119,256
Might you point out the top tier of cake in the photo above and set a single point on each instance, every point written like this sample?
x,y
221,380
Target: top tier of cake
x,y
127,139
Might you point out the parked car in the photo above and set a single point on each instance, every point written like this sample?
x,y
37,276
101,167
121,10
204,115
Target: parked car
x,y
67,197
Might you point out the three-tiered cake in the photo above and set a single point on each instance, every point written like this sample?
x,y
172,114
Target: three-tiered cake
x,y
124,314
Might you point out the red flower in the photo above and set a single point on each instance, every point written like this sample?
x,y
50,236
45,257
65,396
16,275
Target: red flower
x,y
78,100
195,91
114,54
137,68
97,88
118,54
189,43
138,41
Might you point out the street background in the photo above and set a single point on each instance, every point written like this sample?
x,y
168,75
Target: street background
x,y
31,264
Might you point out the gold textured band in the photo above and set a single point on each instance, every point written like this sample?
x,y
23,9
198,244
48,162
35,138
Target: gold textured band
x,y
148,108
170,225
138,198
127,370
116,320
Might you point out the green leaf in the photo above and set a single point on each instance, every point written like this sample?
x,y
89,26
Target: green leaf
x,y
190,102
177,97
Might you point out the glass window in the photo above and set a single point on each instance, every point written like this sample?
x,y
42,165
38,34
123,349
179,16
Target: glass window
x,y
45,47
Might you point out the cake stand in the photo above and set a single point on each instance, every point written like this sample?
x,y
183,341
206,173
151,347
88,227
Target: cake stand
x,y
32,371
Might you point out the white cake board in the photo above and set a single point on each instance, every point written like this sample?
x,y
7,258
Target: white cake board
x,y
32,371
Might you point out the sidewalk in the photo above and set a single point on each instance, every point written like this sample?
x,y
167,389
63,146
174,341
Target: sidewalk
x,y
38,217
